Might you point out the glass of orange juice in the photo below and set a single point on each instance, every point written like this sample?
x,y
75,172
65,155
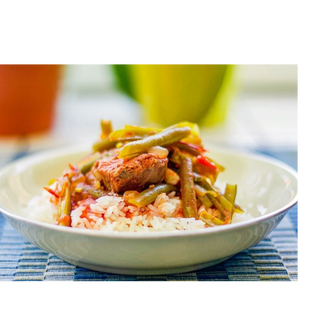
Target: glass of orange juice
x,y
28,94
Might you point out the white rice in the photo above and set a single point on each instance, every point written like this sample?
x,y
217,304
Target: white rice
x,y
112,214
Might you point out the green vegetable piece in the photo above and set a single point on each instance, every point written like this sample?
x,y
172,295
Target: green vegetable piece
x,y
149,195
64,206
133,133
217,204
104,144
230,194
226,205
210,220
162,138
222,205
219,201
205,201
194,137
204,184
199,190
123,135
237,209
188,193
193,127
85,166
185,147
94,192
142,131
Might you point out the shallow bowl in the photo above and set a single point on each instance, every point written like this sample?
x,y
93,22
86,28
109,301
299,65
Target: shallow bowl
x,y
267,189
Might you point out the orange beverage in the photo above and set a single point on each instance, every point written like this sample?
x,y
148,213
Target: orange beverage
x,y
28,95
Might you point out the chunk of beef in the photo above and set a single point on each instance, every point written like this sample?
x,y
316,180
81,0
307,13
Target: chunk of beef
x,y
134,174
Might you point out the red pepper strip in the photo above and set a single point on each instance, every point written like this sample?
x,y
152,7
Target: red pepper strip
x,y
203,160
64,221
72,167
51,191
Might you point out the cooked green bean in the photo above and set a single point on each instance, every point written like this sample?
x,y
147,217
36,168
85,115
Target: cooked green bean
x,y
104,144
230,193
193,127
149,195
194,137
204,184
221,207
237,209
124,135
199,190
94,192
217,204
209,219
133,132
162,138
86,165
220,202
187,148
198,178
143,130
64,206
188,193
205,201
226,205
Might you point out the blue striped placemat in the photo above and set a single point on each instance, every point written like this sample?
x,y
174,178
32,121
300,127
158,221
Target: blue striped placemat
x,y
275,258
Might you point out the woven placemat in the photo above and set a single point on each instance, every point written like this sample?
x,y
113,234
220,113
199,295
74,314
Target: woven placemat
x,y
275,258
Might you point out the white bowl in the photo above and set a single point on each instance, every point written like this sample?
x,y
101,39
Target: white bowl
x,y
267,188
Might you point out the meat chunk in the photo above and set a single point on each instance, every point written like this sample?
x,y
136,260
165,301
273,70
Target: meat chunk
x,y
134,174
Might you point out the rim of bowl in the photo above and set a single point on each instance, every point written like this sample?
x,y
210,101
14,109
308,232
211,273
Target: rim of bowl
x,y
42,155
